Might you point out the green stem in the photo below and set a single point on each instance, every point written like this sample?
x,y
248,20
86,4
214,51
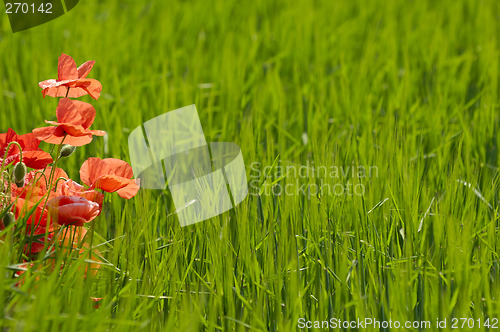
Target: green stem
x,y
7,152
49,184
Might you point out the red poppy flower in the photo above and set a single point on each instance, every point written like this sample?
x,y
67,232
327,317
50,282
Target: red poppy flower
x,y
25,266
73,238
36,225
97,301
71,81
74,119
33,157
69,239
109,175
33,194
71,188
38,242
23,206
71,210
36,183
37,179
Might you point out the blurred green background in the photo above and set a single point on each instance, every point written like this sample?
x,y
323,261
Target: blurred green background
x,y
410,87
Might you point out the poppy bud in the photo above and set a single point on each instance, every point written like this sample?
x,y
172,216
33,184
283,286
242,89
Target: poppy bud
x,y
19,172
67,150
8,219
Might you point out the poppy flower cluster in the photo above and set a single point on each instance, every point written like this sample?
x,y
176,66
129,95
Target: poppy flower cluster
x,y
39,203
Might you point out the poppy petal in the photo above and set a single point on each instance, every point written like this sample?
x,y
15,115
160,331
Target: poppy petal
x,y
75,112
110,183
91,169
109,175
77,141
66,69
22,206
58,136
52,83
74,130
44,132
119,167
71,188
36,159
129,191
91,86
47,84
37,181
68,210
98,132
62,91
33,156
28,141
85,69
7,138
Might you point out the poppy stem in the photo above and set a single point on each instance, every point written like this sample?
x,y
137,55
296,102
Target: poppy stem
x,y
51,177
58,156
7,152
23,230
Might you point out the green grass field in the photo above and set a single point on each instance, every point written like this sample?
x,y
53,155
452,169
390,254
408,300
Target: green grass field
x,y
409,88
